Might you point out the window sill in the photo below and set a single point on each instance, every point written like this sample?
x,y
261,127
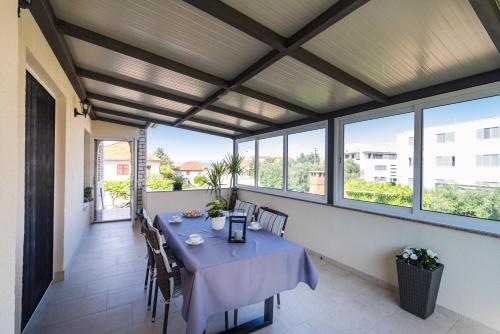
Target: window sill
x,y
491,232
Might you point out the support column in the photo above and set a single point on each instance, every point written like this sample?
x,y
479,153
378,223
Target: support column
x,y
141,165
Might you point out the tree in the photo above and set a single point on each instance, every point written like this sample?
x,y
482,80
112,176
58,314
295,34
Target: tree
x,y
351,170
200,181
117,189
165,163
300,168
158,182
271,172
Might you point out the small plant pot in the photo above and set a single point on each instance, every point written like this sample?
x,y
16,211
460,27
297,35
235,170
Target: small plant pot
x,y
218,222
418,288
177,186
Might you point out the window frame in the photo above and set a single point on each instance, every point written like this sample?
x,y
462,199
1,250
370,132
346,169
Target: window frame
x,y
284,190
416,212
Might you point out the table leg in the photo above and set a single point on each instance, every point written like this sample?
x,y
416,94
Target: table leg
x,y
255,324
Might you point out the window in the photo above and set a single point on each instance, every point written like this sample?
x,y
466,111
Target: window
x,y
487,160
380,142
445,161
271,162
460,191
488,133
122,169
445,137
247,151
306,162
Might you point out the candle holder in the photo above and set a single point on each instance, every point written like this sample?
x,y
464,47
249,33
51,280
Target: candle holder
x,y
237,229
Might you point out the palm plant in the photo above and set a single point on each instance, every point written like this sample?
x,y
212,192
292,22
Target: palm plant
x,y
178,182
234,167
214,179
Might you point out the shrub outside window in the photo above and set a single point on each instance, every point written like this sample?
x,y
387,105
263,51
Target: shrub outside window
x,y
271,162
247,151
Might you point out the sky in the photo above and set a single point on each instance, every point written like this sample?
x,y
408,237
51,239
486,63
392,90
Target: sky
x,y
184,145
382,132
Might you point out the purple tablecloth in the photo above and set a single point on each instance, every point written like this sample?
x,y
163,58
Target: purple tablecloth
x,y
222,276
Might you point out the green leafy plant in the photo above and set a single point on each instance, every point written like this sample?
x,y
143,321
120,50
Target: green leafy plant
x,y
419,257
117,189
200,181
87,194
215,209
214,179
234,167
159,182
178,181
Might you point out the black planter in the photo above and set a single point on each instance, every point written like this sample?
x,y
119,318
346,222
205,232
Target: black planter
x,y
418,288
177,186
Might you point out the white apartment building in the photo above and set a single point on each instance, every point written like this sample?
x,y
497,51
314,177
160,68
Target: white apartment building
x,y
375,165
466,154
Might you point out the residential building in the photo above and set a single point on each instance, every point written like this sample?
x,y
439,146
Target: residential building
x,y
117,162
190,169
375,165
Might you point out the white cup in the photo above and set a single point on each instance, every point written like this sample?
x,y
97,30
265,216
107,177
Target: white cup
x,y
176,218
195,238
255,225
238,235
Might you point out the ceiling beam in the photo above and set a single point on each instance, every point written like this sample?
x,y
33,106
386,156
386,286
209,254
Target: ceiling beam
x,y
150,120
175,114
291,46
488,12
46,20
137,53
163,112
115,121
443,88
135,86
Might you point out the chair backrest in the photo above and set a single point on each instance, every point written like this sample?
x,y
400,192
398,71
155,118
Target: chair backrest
x,y
272,220
163,268
248,207
144,230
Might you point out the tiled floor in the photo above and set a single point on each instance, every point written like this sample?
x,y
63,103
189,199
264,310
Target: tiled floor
x,y
112,214
104,293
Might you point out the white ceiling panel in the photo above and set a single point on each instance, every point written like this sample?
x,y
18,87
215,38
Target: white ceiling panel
x,y
169,28
229,120
285,17
101,60
210,128
242,103
132,95
291,80
122,119
399,46
132,111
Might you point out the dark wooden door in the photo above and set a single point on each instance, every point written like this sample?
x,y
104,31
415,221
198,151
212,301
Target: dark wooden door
x,y
39,196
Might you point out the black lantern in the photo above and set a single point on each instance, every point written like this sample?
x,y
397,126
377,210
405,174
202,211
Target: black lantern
x,y
86,109
237,229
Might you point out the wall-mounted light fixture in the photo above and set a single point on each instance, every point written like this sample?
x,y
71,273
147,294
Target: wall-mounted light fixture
x,y
22,4
86,109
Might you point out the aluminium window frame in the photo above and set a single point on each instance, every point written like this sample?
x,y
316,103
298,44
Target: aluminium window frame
x,y
284,190
416,212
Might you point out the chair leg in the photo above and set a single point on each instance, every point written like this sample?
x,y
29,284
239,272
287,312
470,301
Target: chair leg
x,y
155,301
146,279
151,278
235,317
226,319
279,300
165,318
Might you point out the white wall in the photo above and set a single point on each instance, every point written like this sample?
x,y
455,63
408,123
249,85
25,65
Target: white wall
x,y
169,201
369,243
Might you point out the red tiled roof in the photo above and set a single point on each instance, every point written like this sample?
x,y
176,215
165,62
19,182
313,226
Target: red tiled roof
x,y
191,166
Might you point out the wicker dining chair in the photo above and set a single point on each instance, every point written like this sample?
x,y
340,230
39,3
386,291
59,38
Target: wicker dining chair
x,y
275,222
168,278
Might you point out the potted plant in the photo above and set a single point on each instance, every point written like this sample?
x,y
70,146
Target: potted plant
x,y
214,212
419,276
214,179
87,194
234,167
178,182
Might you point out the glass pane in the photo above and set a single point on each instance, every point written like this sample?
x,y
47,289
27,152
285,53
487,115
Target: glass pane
x,y
247,150
306,162
461,173
271,162
378,160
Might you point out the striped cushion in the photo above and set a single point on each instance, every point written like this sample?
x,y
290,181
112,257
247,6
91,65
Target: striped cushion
x,y
271,222
248,208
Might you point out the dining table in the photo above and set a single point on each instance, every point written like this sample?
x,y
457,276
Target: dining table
x,y
218,276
